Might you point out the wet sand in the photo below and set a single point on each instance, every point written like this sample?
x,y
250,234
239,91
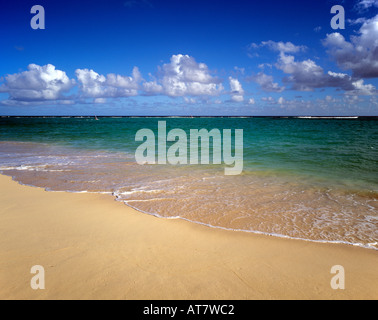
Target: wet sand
x,y
93,247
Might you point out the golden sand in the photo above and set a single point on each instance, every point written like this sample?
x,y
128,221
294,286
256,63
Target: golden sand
x,y
93,247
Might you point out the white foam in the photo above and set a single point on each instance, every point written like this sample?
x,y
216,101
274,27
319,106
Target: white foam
x,y
368,246
372,246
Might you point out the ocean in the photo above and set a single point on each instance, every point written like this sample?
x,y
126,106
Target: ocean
x,y
314,179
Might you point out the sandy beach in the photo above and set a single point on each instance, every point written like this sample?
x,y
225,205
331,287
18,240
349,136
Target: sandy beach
x,y
93,247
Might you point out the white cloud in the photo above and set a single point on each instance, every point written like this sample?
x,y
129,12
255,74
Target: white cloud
x,y
94,85
329,99
237,92
360,55
268,99
190,100
280,46
362,89
100,100
263,65
66,102
351,99
237,98
183,76
374,100
267,83
39,83
251,101
366,4
152,87
357,21
307,75
239,70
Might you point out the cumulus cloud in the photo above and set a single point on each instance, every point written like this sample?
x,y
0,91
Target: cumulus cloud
x,y
237,92
360,54
38,83
152,87
266,82
94,85
307,75
304,75
183,76
359,88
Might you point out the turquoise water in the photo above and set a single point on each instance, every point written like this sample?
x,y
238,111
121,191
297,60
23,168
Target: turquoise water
x,y
337,149
313,179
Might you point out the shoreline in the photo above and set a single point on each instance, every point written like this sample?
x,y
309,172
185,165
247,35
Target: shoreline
x,y
370,246
260,233
93,247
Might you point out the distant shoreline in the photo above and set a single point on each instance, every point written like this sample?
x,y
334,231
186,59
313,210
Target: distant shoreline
x,y
189,117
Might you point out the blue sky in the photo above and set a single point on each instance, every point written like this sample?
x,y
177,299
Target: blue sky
x,y
149,57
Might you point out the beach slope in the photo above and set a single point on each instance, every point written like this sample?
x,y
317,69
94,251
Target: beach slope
x,y
93,247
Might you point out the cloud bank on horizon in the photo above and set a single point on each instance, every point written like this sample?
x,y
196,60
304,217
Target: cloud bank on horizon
x,y
287,81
